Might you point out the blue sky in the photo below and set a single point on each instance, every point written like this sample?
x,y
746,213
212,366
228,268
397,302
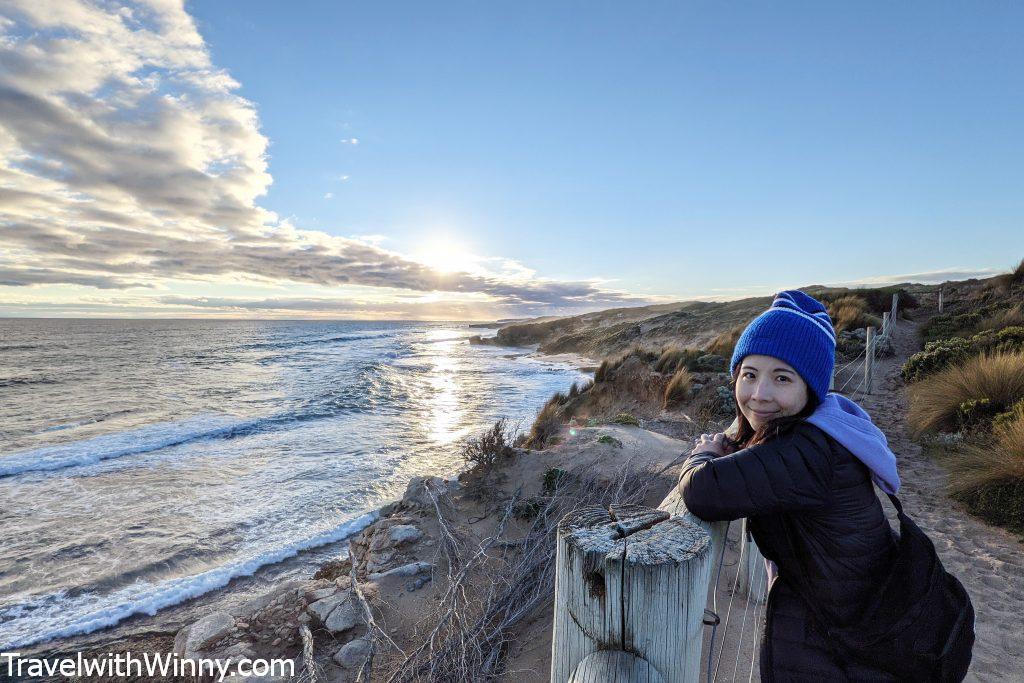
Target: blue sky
x,y
567,156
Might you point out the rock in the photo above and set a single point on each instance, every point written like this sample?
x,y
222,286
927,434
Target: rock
x,y
404,533
332,569
261,601
337,613
320,594
710,363
203,633
352,654
411,569
416,492
378,561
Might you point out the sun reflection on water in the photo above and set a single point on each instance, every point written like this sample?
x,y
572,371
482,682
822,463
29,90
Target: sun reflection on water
x,y
443,404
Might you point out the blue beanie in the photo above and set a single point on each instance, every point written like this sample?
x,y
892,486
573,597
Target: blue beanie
x,y
795,329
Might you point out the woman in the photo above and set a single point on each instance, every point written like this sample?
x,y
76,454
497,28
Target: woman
x,y
802,474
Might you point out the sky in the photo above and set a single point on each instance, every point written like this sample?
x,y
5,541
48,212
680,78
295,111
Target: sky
x,y
481,160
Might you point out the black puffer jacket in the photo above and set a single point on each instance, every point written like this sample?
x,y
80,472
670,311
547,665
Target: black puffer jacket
x,y
811,484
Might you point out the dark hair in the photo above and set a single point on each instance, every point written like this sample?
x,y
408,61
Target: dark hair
x,y
747,436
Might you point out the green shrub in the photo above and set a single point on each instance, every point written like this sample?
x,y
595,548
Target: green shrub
x,y
626,419
610,440
1000,502
552,478
976,414
936,356
942,353
1003,420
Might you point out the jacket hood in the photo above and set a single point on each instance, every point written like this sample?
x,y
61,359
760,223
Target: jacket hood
x,y
847,423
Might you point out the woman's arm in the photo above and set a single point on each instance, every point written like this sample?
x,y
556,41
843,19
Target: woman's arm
x,y
792,472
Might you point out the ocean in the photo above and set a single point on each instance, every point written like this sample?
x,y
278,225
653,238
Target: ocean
x,y
146,463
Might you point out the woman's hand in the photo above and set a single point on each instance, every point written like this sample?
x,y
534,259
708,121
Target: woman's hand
x,y
711,443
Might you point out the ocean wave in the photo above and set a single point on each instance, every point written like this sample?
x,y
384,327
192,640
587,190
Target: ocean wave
x,y
142,440
336,401
59,616
26,381
292,343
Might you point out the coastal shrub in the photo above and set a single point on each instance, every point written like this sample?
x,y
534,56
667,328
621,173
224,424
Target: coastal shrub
x,y
483,452
725,342
935,356
976,414
987,475
626,419
553,478
936,399
880,299
678,388
610,440
944,352
1002,420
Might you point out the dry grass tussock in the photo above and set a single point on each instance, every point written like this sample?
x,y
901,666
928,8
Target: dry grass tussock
x,y
849,312
724,343
678,389
488,589
1005,282
936,399
992,460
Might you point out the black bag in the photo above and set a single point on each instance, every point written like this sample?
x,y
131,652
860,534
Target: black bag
x,y
919,624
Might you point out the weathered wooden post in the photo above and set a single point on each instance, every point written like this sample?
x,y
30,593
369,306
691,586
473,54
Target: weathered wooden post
x,y
886,320
895,305
869,359
940,299
630,579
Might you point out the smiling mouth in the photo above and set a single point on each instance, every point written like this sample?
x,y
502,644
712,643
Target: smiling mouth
x,y
760,414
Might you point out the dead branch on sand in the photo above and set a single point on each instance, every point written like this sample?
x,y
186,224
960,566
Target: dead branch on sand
x,y
505,581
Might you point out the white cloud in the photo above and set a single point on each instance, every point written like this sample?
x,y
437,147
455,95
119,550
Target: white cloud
x,y
350,141
127,158
328,195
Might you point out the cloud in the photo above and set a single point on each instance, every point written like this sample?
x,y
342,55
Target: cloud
x,y
127,158
328,195
931,277
350,141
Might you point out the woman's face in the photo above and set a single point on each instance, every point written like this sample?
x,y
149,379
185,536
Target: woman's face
x,y
768,388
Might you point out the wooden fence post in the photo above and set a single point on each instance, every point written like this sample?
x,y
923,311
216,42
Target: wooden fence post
x,y
886,321
631,579
895,305
940,299
869,359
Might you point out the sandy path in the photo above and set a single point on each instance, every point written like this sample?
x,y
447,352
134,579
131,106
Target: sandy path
x,y
989,561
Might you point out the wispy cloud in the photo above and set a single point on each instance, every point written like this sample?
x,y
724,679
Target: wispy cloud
x,y
128,159
928,277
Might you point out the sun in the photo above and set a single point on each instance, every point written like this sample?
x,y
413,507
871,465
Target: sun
x,y
446,256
